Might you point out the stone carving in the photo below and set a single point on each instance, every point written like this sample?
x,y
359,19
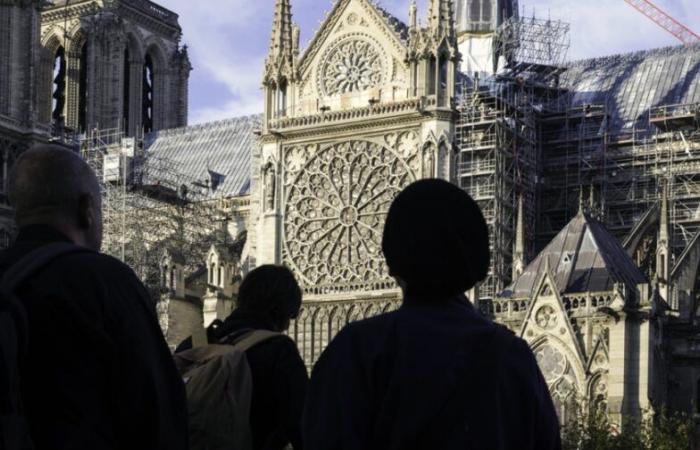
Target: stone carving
x,y
270,185
546,317
429,161
552,362
335,212
353,65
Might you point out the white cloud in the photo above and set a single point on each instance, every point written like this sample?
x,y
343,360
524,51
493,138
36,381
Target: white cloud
x,y
229,39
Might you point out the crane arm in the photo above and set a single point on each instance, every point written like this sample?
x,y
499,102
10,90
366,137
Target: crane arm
x,y
665,21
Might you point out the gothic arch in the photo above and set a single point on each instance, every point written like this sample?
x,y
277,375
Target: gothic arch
x,y
51,43
571,355
154,86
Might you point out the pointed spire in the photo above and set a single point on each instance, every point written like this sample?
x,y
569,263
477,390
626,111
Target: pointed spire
x,y
413,15
519,253
581,203
441,18
281,51
296,39
663,227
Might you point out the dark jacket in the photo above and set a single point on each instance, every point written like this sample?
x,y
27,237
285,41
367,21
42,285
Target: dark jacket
x,y
279,383
383,383
98,373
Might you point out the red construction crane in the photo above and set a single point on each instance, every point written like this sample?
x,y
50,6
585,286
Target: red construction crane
x,y
665,21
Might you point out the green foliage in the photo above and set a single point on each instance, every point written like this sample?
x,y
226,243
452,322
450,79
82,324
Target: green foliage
x,y
653,432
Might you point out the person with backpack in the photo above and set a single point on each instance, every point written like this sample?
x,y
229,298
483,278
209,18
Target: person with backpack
x,y
85,348
246,389
434,374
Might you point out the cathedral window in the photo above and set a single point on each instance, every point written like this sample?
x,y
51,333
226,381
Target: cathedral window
x,y
218,276
282,98
147,95
126,94
83,88
164,276
432,76
486,11
212,269
59,87
475,11
442,80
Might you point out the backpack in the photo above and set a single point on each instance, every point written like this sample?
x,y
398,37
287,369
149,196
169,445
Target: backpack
x,y
219,389
14,429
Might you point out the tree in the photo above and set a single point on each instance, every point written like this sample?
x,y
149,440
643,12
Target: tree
x,y
654,432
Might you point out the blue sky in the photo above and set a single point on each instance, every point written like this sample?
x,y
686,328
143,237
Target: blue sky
x,y
228,39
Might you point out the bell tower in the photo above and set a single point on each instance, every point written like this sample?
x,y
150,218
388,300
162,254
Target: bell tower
x,y
477,24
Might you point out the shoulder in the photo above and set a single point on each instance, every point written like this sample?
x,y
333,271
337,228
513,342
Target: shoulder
x,y
93,265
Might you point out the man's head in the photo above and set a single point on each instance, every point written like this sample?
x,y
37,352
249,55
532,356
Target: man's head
x,y
53,186
271,293
436,241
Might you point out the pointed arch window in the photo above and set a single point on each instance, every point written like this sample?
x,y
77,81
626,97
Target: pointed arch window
x,y
487,11
126,93
59,87
475,11
432,75
147,96
83,88
282,89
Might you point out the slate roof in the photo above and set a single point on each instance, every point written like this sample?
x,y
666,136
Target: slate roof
x,y
216,153
630,84
583,257
394,22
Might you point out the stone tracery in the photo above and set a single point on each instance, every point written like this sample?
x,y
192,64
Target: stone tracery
x,y
335,212
353,65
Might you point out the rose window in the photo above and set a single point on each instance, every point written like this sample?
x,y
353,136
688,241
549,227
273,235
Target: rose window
x,y
354,65
546,317
552,363
335,213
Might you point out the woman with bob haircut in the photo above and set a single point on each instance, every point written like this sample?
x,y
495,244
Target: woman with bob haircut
x,y
435,374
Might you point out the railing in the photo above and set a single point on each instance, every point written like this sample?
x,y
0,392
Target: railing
x,y
353,114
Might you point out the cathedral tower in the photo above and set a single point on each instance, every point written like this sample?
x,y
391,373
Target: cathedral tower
x,y
111,65
19,124
477,23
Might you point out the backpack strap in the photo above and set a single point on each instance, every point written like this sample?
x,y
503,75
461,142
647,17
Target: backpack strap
x,y
35,261
253,338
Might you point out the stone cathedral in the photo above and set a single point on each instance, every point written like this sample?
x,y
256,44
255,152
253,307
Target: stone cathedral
x,y
609,305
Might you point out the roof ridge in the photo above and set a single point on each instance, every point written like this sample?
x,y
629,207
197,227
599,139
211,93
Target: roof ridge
x,y
662,51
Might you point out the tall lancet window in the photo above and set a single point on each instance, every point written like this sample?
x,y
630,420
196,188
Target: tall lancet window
x,y
432,81
475,11
282,99
147,96
126,94
83,88
486,11
59,87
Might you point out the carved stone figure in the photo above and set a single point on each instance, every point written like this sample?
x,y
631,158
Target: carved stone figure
x,y
270,186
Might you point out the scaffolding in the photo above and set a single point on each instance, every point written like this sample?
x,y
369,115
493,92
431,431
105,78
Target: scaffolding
x,y
499,134
150,205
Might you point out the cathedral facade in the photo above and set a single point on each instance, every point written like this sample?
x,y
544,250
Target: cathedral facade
x,y
364,111
604,286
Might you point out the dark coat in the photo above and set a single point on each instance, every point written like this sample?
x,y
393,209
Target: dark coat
x,y
98,373
279,383
382,383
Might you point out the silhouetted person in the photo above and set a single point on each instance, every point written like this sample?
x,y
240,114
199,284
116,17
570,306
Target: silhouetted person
x,y
97,373
435,374
269,297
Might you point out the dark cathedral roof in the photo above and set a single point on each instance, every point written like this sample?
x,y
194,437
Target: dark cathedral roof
x,y
394,22
583,257
215,154
633,83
